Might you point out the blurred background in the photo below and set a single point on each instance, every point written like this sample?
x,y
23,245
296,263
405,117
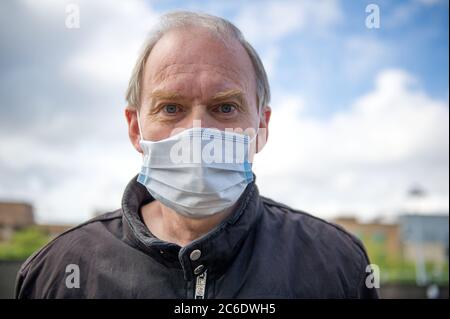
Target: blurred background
x,y
359,133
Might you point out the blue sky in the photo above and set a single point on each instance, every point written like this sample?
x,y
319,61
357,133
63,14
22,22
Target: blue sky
x,y
412,37
359,115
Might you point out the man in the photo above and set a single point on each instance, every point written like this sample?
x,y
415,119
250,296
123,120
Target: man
x,y
198,228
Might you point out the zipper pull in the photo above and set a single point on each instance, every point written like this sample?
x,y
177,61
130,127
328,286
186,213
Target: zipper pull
x,y
200,286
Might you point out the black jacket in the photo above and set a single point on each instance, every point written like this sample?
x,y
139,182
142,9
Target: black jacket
x,y
262,250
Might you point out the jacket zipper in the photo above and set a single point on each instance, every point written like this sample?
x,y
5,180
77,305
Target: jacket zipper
x,y
200,286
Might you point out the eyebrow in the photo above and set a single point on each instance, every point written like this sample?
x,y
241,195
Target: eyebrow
x,y
230,94
218,97
159,94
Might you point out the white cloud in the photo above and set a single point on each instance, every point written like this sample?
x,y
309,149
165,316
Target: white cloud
x,y
404,12
118,29
275,21
432,2
67,184
363,55
362,159
269,58
75,163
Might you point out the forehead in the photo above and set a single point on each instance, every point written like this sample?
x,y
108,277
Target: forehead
x,y
191,56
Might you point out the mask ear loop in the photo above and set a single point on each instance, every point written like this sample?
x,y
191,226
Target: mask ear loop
x,y
254,136
257,130
139,125
250,141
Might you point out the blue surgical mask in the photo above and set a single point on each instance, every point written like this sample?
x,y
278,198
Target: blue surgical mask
x,y
197,172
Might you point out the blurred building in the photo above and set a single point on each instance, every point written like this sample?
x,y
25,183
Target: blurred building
x,y
386,235
15,216
425,237
412,237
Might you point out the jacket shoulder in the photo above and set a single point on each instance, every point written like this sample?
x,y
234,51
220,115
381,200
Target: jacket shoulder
x,y
313,225
328,245
70,242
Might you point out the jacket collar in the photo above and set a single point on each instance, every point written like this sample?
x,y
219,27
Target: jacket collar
x,y
217,248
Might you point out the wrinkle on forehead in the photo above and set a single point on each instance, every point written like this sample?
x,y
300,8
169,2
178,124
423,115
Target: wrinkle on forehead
x,y
185,68
191,85
199,81
195,52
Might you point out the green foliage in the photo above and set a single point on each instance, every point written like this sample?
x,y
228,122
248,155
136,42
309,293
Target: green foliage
x,y
398,270
23,243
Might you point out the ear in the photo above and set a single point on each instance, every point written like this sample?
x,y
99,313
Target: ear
x,y
133,128
263,134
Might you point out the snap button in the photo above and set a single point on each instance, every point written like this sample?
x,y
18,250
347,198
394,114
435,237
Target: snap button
x,y
199,269
195,254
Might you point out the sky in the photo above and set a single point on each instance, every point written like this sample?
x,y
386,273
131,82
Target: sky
x,y
359,115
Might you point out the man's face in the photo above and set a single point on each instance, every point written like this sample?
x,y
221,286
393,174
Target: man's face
x,y
190,75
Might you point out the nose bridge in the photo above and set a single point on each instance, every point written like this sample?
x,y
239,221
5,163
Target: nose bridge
x,y
200,117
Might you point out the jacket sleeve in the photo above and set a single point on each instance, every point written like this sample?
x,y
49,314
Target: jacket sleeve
x,y
26,277
19,287
369,282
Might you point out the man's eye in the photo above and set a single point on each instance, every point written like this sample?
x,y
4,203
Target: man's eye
x,y
170,108
226,108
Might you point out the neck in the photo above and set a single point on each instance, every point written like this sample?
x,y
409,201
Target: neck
x,y
168,225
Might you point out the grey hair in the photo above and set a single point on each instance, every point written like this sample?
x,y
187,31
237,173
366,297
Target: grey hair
x,y
219,27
